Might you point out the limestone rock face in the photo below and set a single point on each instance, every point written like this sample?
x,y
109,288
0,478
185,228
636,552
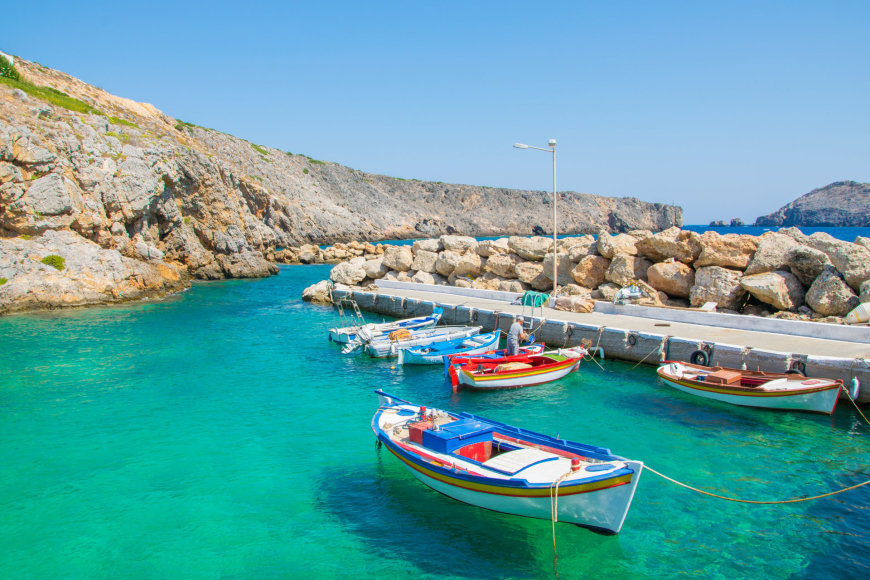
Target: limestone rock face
x,y
609,246
864,292
591,271
830,295
780,289
563,268
840,204
728,251
717,284
672,278
503,265
89,275
772,253
534,248
398,258
625,269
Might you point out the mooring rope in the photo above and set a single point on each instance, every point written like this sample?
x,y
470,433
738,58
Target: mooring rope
x,y
738,500
652,352
554,508
845,389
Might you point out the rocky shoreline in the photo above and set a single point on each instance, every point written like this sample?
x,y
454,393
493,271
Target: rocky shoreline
x,y
784,274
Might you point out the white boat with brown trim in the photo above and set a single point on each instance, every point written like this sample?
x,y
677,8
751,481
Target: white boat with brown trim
x,y
788,391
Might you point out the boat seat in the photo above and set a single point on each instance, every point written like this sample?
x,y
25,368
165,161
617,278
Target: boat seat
x,y
513,462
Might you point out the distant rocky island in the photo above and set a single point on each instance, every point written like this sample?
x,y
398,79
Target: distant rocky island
x,y
104,199
840,204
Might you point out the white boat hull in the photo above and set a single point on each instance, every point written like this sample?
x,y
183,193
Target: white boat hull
x,y
516,380
383,348
818,402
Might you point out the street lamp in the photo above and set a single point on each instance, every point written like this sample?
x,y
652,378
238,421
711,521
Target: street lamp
x,y
550,149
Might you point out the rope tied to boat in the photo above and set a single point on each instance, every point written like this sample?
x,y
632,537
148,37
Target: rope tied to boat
x,y
659,350
738,500
554,507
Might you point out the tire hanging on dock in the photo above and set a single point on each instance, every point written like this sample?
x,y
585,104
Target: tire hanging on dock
x,y
699,357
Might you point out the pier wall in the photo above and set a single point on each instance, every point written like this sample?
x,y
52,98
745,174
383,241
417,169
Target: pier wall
x,y
621,343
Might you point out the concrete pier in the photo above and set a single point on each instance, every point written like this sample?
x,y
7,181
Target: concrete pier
x,y
626,333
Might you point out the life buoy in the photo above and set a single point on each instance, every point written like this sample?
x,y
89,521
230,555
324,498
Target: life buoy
x,y
699,357
797,368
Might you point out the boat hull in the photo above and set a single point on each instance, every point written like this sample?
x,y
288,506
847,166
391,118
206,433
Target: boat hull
x,y
601,505
384,348
814,400
435,355
351,333
586,485
469,379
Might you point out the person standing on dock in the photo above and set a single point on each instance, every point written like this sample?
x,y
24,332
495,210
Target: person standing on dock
x,y
515,335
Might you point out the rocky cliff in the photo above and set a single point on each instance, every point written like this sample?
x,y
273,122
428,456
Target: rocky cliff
x,y
840,204
146,202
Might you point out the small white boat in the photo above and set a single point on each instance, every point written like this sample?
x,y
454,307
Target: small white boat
x,y
753,388
433,354
356,332
506,469
390,345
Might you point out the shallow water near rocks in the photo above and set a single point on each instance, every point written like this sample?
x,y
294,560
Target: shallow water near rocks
x,y
219,434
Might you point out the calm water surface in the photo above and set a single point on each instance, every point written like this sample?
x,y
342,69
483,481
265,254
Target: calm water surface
x,y
219,435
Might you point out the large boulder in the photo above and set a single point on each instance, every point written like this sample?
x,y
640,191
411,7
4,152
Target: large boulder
x,y
719,285
563,268
591,271
625,269
533,248
470,264
806,263
427,246
671,243
772,253
423,278
511,286
830,295
375,268
609,246
864,291
398,258
852,260
488,281
673,278
459,244
446,262
349,273
728,251
503,265
424,260
578,247
487,248
780,289
318,293
532,273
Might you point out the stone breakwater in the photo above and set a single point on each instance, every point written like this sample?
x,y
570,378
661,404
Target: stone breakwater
x,y
785,274
138,203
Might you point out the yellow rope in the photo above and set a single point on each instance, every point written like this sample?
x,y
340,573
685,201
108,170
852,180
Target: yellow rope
x,y
854,404
641,361
554,508
794,500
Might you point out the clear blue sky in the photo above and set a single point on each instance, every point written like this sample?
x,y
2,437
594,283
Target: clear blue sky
x,y
729,109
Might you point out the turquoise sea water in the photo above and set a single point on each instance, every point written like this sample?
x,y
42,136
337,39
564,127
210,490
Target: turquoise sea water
x,y
219,435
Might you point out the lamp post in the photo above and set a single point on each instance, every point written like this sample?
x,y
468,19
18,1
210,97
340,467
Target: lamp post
x,y
551,148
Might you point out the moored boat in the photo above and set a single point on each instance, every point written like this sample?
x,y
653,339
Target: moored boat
x,y
371,330
506,469
390,345
753,388
434,353
516,371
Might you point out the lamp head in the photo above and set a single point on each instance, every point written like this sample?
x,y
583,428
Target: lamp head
x,y
552,143
521,146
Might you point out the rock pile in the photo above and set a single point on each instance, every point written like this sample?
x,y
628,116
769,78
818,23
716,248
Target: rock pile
x,y
785,274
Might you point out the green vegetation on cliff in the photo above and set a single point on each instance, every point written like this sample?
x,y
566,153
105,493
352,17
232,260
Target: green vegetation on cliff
x,y
54,261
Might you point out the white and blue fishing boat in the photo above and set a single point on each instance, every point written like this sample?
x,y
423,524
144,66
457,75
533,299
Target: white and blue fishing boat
x,y
433,354
354,333
390,345
506,469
